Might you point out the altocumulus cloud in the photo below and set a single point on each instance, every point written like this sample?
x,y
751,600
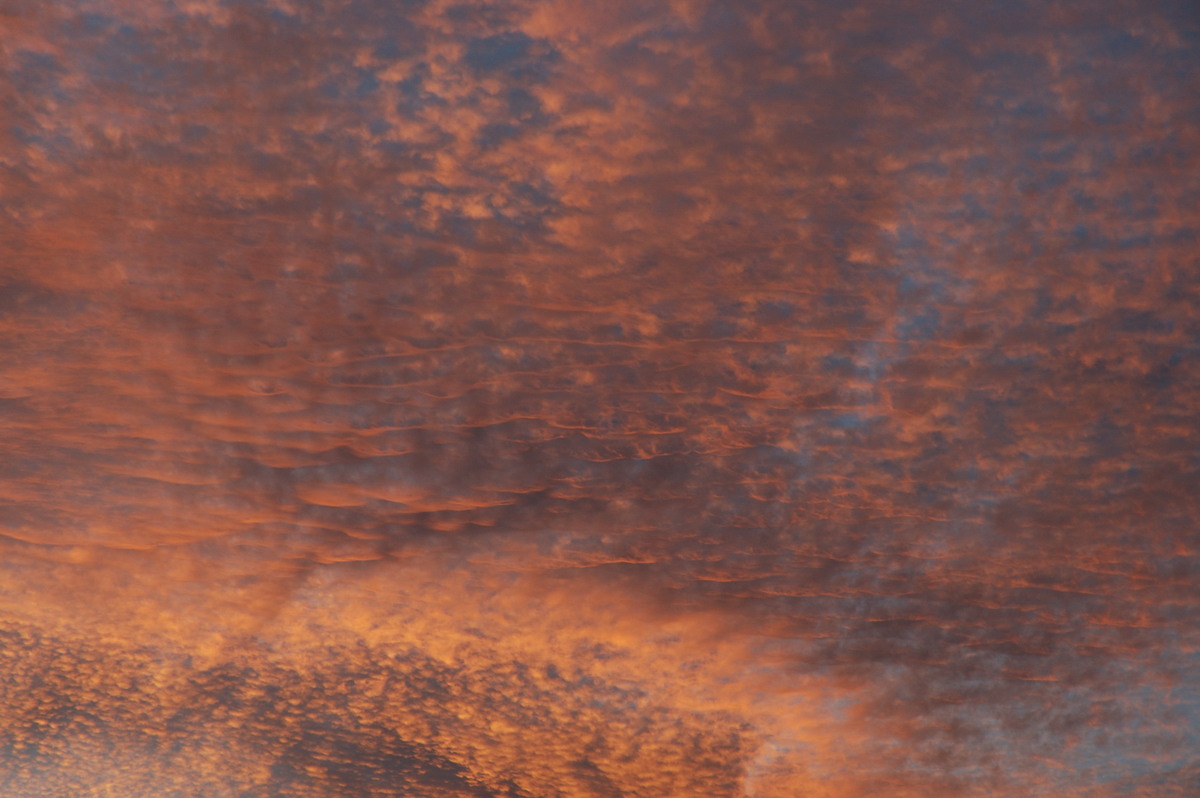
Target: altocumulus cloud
x,y
559,398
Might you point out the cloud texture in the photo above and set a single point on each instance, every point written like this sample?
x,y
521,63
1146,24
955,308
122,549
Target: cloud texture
x,y
562,398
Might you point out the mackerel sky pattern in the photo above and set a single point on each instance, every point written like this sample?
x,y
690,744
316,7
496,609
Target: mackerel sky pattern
x,y
572,398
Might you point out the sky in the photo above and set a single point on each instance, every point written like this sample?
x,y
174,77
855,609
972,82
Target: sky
x,y
533,398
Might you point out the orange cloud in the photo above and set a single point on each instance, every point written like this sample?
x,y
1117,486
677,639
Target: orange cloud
x,y
674,398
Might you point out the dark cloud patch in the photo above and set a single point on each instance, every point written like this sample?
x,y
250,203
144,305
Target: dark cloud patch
x,y
514,55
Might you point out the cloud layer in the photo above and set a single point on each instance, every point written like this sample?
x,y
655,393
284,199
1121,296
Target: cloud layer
x,y
658,398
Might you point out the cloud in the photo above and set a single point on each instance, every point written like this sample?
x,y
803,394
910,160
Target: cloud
x,y
555,399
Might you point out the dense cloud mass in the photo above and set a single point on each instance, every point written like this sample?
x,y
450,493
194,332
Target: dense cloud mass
x,y
564,398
